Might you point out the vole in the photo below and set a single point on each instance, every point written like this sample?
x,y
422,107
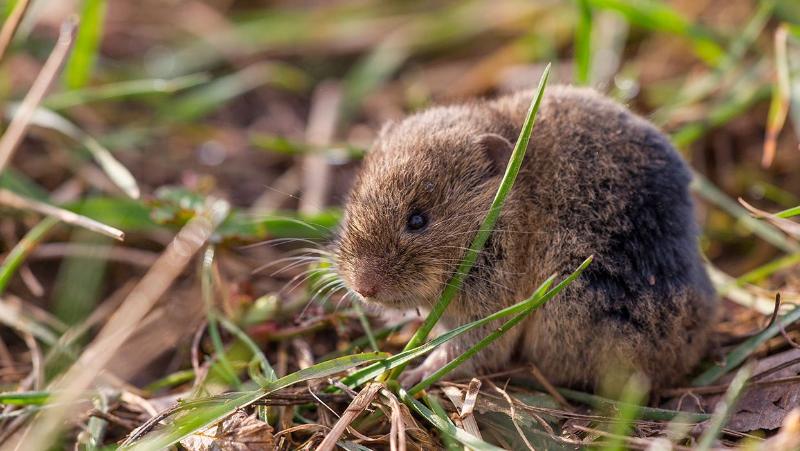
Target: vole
x,y
596,180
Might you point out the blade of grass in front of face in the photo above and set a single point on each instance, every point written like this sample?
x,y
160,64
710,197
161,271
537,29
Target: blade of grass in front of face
x,y
633,394
724,409
454,284
744,350
21,250
122,90
583,39
444,424
536,300
219,407
207,291
87,43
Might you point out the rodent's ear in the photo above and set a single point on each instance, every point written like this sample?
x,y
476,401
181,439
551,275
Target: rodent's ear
x,y
497,148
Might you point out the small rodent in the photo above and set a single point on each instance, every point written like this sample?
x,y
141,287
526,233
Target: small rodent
x,y
596,180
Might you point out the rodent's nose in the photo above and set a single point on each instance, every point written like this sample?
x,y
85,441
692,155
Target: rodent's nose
x,y
367,285
366,290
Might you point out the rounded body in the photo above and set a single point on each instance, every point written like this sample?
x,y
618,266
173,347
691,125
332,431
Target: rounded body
x,y
596,180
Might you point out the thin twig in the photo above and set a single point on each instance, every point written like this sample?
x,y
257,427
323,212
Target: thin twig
x,y
19,124
16,201
11,25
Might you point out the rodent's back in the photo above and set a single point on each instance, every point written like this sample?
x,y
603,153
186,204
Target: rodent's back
x,y
608,183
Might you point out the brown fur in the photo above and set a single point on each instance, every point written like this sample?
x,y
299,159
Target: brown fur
x,y
596,180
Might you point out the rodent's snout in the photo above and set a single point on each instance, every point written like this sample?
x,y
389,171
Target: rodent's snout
x,y
366,285
367,280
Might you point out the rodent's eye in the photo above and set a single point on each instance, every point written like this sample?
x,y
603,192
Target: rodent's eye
x,y
416,221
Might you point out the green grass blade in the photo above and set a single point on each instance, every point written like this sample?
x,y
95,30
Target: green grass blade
x,y
370,72
539,298
658,16
701,87
632,396
737,104
207,98
20,252
766,270
21,184
603,403
514,164
765,231
794,211
87,43
125,89
79,282
724,410
744,350
214,409
258,355
450,442
444,424
366,374
207,291
362,318
28,398
583,43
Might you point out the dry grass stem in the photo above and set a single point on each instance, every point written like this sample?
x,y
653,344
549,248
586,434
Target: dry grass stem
x,y
72,386
52,67
361,402
13,200
11,25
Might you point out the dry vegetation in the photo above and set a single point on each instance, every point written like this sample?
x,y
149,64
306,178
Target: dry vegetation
x,y
169,169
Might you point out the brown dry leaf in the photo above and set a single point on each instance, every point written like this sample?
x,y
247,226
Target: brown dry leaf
x,y
239,432
788,438
766,407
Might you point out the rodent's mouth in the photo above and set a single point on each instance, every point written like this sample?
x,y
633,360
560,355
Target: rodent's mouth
x,y
392,300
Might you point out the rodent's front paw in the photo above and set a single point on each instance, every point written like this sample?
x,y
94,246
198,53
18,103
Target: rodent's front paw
x,y
434,361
